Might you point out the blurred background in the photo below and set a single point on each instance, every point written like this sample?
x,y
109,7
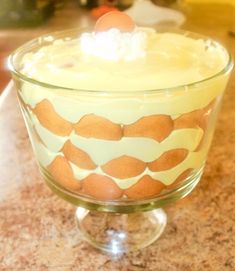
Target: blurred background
x,y
22,20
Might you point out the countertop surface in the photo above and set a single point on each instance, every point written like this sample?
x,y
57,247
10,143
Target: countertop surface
x,y
38,231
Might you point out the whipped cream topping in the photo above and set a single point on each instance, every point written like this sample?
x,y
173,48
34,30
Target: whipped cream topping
x,y
115,45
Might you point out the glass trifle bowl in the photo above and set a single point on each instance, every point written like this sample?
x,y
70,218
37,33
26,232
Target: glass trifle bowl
x,y
118,136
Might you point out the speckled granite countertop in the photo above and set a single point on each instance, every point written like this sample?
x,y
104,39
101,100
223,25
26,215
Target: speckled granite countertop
x,y
38,232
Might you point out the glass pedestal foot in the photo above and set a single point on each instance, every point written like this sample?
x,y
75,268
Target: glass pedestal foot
x,y
118,233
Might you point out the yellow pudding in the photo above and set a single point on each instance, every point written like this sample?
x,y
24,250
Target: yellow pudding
x,y
123,114
162,60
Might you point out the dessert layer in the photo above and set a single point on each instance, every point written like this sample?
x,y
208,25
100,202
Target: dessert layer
x,y
72,106
177,57
194,160
101,151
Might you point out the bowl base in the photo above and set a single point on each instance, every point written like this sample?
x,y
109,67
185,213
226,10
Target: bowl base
x,y
117,233
124,205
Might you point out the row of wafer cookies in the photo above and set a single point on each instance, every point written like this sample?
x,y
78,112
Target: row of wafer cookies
x,y
101,151
157,127
124,166
102,187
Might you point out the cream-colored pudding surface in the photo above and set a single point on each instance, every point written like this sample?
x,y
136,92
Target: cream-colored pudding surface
x,y
168,60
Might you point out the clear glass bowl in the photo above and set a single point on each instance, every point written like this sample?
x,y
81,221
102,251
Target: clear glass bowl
x,y
95,163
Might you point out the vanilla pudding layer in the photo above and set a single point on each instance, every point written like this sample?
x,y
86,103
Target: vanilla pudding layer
x,y
124,109
169,60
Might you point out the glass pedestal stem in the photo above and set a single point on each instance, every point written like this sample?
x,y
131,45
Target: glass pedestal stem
x,y
118,233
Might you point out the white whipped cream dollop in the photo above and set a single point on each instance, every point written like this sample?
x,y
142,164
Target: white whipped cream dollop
x,y
115,45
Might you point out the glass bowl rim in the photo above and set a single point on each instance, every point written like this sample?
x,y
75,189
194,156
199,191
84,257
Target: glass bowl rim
x,y
60,34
